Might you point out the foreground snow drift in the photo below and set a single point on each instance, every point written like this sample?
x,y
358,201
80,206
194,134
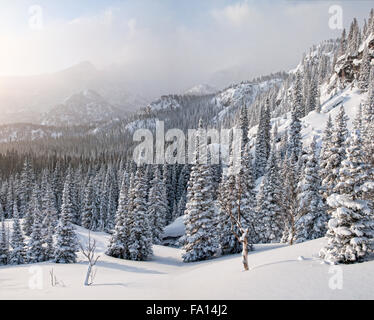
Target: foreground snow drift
x,y
277,272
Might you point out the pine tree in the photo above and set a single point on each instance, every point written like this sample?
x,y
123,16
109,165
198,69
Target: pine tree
x,y
269,222
57,186
263,140
67,205
294,147
318,102
182,185
291,174
351,225
365,29
32,205
243,124
353,38
118,246
298,99
48,207
200,217
18,254
75,180
364,77
245,185
312,219
4,243
311,101
103,204
167,177
35,249
181,206
89,207
157,207
49,241
10,200
112,208
228,242
343,44
290,200
326,154
306,84
371,22
174,183
107,203
25,190
140,235
97,191
283,147
368,124
336,153
66,239
237,197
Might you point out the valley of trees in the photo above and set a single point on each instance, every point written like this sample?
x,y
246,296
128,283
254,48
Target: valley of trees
x,y
285,191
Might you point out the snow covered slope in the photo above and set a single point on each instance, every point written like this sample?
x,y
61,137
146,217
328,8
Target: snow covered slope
x,y
314,123
277,272
235,96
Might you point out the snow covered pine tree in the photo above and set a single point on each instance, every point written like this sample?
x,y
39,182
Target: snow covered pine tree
x,y
200,217
352,223
66,239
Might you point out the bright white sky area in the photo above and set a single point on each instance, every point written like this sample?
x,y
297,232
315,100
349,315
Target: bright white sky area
x,y
187,42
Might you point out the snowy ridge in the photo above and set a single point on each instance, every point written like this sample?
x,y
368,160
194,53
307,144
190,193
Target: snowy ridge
x,y
201,90
314,123
164,103
246,92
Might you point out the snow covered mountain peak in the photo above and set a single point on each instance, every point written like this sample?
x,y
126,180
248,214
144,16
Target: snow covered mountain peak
x,y
85,107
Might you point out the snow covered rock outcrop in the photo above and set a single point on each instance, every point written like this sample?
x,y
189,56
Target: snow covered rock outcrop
x,y
233,97
201,90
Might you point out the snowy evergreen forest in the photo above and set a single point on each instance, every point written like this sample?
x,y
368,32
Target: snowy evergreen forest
x,y
287,191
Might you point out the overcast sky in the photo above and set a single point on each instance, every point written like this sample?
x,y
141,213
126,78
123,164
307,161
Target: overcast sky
x,y
181,42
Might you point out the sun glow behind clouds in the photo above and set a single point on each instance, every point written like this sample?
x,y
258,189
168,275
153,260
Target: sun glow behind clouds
x,y
159,41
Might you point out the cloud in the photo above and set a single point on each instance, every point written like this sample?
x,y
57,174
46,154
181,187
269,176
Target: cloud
x,y
132,26
236,14
166,49
103,18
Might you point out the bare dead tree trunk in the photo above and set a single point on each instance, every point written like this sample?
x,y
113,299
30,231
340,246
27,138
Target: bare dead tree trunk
x,y
293,214
89,253
245,249
243,238
54,281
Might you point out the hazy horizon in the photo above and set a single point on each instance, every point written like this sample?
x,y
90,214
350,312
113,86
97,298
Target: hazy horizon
x,y
166,46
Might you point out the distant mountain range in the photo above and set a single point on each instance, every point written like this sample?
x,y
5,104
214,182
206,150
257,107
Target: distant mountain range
x,y
27,99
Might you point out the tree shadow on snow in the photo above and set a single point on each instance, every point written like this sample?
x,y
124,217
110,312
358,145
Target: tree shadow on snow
x,y
170,261
272,263
122,267
109,284
265,247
